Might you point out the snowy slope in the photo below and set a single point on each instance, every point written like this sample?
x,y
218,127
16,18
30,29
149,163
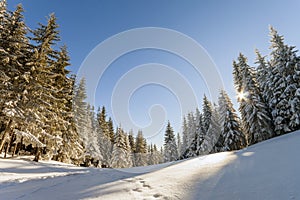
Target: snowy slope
x,y
268,170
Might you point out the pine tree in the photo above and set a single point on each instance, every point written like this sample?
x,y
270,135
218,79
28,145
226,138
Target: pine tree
x,y
210,143
200,131
132,146
232,136
263,70
104,136
179,144
80,112
192,136
101,117
207,112
184,148
140,150
15,68
204,145
256,119
170,147
284,81
71,151
111,130
121,157
92,152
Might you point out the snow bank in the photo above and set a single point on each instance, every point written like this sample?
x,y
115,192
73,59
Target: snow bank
x,y
268,170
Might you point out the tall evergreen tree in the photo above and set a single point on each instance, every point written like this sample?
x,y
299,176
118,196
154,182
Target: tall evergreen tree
x,y
15,56
263,70
284,81
207,112
170,147
111,130
140,150
179,144
192,136
213,133
121,157
105,141
233,137
256,119
184,138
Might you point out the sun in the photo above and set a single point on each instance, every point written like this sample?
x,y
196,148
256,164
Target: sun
x,y
241,95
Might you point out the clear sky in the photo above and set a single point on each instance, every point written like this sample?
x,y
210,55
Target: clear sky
x,y
223,28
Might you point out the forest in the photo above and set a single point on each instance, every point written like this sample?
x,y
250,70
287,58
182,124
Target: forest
x,y
44,112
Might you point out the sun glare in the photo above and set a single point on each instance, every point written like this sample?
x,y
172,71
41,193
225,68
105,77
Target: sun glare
x,y
241,95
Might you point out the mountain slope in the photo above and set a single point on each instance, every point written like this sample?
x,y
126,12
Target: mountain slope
x,y
268,170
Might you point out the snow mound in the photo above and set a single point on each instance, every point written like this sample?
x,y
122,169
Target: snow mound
x,y
268,170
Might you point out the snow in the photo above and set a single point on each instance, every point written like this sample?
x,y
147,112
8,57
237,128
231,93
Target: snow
x,y
267,170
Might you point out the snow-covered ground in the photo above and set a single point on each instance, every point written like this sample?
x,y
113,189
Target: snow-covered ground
x,y
268,170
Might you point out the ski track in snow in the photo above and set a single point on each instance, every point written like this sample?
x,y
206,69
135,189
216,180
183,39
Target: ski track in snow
x,y
268,170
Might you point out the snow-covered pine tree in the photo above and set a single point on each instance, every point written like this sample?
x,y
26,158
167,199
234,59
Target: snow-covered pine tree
x,y
232,136
105,139
131,141
184,138
207,112
204,145
140,150
191,150
80,111
15,68
132,146
121,157
158,156
179,144
150,155
111,130
101,118
44,90
284,81
92,154
256,119
170,147
213,133
199,131
71,151
262,74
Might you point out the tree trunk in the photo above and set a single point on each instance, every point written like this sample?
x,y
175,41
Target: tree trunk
x,y
12,139
14,150
6,148
3,141
37,155
6,132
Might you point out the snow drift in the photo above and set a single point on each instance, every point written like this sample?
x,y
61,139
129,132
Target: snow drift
x,y
268,170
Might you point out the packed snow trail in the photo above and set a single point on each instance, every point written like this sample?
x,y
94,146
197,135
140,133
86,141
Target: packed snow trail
x,y
268,170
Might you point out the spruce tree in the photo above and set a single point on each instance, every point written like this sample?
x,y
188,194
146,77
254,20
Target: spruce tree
x,y
170,147
232,136
193,137
284,81
256,119
15,56
140,150
179,144
121,157
263,70
184,138
213,133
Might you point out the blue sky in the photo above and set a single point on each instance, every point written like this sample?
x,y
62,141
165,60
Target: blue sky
x,y
223,28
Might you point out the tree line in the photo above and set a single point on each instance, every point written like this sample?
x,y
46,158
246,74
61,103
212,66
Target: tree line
x,y
43,110
269,105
